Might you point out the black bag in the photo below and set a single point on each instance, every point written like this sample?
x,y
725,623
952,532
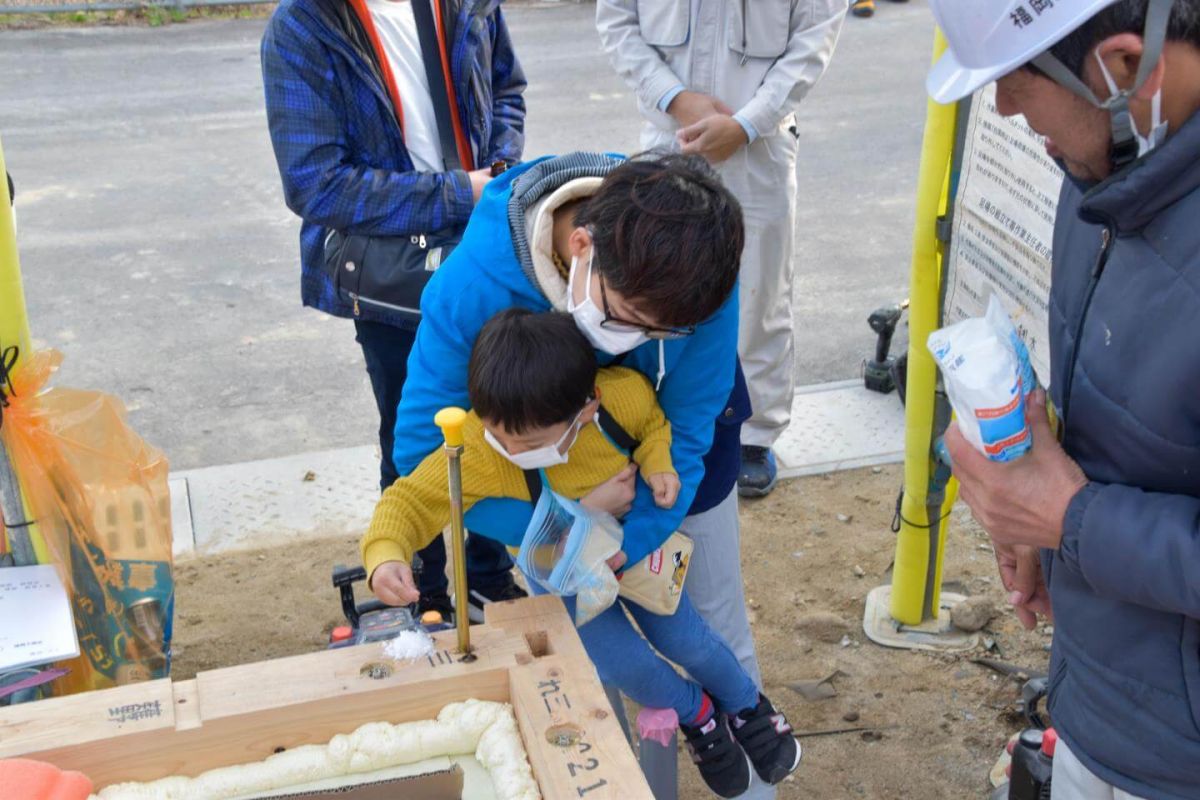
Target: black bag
x,y
388,273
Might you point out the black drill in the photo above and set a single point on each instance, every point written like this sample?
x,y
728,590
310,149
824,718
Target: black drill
x,y
878,372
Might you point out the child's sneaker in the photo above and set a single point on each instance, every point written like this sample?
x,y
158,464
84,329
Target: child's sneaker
x,y
766,736
720,760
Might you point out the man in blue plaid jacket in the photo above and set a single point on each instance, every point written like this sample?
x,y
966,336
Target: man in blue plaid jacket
x,y
350,118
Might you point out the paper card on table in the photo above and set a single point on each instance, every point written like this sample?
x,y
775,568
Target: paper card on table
x,y
36,626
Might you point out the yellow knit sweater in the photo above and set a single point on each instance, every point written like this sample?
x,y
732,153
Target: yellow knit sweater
x,y
413,511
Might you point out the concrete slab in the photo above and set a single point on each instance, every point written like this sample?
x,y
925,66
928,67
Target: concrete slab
x,y
256,503
835,426
838,426
183,535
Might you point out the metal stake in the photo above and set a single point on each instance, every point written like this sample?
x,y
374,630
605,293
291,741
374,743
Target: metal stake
x,y
451,420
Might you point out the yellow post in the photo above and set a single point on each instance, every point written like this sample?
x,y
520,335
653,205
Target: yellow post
x,y
14,324
916,580
26,543
451,420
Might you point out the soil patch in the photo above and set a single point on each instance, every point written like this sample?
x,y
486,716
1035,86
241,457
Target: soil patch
x,y
810,553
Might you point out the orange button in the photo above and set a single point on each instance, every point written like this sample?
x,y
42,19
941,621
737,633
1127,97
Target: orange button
x,y
341,633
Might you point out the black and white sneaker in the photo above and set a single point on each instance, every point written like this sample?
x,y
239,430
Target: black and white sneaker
x,y
766,736
476,599
722,764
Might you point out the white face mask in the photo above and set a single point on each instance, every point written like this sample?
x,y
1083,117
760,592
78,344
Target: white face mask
x,y
543,457
1158,126
589,317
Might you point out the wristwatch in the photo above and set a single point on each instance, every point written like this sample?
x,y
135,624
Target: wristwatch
x,y
498,167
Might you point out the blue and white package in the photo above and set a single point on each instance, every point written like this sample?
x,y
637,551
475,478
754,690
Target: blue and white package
x,y
1002,323
564,551
986,379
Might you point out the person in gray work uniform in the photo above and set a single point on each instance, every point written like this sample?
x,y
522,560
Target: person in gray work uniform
x,y
723,80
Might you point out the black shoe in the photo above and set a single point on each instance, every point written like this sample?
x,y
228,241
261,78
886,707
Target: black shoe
x,y
758,473
863,8
766,736
722,764
436,601
477,599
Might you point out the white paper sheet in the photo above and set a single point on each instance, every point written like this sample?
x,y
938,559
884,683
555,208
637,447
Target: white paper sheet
x,y
36,626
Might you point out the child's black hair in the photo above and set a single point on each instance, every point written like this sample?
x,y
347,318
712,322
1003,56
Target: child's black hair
x,y
530,370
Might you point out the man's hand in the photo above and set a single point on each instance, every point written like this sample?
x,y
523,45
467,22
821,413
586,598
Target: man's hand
x,y
666,488
1021,502
688,108
716,137
392,582
615,495
1021,573
479,179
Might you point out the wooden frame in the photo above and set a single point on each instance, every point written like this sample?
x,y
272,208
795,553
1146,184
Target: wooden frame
x,y
528,652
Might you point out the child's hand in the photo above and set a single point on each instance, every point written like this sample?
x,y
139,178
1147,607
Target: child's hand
x,y
617,560
665,486
615,495
392,582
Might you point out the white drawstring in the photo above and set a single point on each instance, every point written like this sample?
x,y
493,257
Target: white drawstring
x,y
662,364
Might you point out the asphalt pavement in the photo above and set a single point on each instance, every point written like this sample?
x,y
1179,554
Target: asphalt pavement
x,y
159,256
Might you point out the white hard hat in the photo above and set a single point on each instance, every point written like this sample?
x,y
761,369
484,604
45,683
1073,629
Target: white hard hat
x,y
988,39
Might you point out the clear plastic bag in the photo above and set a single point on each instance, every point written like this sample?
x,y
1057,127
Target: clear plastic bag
x,y
97,499
565,549
988,376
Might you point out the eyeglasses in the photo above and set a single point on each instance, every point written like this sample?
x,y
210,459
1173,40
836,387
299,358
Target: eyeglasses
x,y
613,322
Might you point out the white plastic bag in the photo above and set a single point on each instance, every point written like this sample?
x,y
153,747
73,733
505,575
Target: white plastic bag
x,y
565,549
988,376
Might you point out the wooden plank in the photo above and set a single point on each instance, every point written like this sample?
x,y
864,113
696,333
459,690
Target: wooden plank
x,y
574,742
555,692
286,681
245,713
253,736
125,710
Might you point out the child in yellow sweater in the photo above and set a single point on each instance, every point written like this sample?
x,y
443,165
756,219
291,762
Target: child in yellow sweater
x,y
535,392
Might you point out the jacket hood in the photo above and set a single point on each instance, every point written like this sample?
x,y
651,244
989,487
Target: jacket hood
x,y
1135,196
537,183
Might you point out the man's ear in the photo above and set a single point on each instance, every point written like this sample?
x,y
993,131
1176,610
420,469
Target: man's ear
x,y
580,242
1122,54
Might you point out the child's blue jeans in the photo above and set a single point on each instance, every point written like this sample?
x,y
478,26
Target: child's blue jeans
x,y
625,660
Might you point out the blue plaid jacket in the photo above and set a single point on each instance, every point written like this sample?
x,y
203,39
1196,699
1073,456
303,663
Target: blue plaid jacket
x,y
340,151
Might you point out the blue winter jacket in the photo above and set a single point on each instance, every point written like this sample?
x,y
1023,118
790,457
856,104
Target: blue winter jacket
x,y
1125,584
490,271
339,147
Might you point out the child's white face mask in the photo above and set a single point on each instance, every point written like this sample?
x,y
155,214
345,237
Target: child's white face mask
x,y
547,456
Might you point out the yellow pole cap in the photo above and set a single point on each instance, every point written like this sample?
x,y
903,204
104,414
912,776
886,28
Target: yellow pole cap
x,y
451,420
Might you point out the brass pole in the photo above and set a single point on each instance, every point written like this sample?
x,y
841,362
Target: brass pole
x,y
450,420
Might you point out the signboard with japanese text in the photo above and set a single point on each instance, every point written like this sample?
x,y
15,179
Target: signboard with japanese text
x,y
1004,226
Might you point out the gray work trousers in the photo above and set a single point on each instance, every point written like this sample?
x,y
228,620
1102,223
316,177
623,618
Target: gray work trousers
x,y
762,176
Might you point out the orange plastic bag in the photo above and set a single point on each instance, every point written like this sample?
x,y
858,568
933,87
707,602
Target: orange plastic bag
x,y
97,496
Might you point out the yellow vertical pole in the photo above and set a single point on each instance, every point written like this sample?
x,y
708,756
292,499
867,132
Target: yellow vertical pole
x,y
916,579
14,332
14,324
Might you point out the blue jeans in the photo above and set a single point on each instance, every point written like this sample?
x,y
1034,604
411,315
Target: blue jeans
x,y
386,349
625,660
